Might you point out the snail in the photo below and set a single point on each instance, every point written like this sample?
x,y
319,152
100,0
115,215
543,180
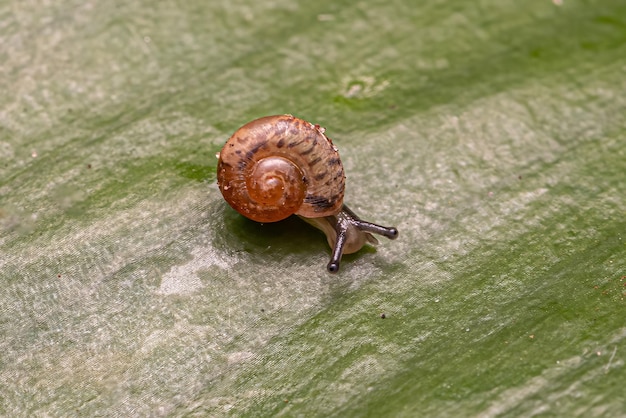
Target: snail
x,y
277,166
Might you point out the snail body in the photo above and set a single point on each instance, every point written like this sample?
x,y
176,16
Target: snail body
x,y
278,166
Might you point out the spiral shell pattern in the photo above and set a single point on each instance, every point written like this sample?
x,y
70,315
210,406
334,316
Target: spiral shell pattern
x,y
277,166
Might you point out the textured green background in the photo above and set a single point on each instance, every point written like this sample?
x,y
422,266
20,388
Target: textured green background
x,y
492,133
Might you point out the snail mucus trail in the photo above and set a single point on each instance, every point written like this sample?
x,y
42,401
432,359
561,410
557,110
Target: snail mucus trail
x,y
277,166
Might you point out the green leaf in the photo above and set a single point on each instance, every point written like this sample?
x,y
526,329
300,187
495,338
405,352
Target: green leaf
x,y
490,133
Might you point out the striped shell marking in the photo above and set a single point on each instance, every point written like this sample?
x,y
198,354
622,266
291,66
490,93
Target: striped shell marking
x,y
277,166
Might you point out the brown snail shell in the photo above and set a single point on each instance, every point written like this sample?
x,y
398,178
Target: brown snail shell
x,y
277,166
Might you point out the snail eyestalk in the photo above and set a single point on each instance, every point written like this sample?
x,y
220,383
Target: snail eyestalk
x,y
347,233
352,232
386,231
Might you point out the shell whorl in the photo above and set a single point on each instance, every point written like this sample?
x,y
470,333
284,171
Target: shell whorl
x,y
277,166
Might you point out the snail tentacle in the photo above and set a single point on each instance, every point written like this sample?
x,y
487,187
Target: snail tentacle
x,y
389,232
352,233
346,233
